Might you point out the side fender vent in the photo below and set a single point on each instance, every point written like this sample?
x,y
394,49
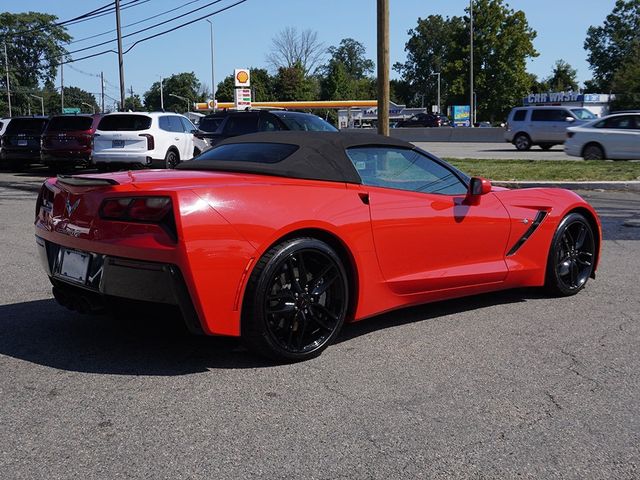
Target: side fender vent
x,y
532,228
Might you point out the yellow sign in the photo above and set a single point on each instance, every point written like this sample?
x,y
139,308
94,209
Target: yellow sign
x,y
242,77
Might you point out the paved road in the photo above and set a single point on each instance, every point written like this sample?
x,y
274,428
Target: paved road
x,y
497,386
500,151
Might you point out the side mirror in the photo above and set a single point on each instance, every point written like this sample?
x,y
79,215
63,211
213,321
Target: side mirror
x,y
479,186
195,130
569,119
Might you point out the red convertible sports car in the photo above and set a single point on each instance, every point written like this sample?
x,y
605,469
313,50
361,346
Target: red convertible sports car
x,y
282,237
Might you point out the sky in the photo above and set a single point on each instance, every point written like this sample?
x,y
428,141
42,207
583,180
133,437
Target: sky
x,y
242,34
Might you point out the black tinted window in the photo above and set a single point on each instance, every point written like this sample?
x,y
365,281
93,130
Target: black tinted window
x,y
26,125
248,152
624,123
124,123
404,169
549,115
305,122
241,124
69,124
210,124
519,116
175,125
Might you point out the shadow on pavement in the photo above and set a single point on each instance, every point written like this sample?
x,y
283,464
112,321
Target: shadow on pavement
x,y
44,333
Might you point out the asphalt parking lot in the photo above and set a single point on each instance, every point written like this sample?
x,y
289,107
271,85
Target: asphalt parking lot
x,y
505,385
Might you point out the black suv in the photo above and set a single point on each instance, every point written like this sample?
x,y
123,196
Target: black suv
x,y
21,141
218,126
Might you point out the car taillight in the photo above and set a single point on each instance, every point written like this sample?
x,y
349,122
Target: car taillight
x,y
151,144
570,134
136,209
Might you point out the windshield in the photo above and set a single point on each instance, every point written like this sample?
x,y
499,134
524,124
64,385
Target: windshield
x,y
210,124
305,122
583,114
69,124
27,125
125,123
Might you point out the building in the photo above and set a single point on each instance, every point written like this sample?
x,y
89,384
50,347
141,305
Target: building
x,y
597,103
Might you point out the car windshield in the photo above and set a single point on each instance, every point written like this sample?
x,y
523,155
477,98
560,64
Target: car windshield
x,y
583,114
248,152
26,125
210,124
308,123
126,123
69,124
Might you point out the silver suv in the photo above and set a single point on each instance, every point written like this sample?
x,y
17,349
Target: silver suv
x,y
544,126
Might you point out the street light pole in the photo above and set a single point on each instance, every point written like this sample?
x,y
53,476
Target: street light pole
x,y
188,100
471,102
438,74
41,102
6,63
213,84
93,109
161,94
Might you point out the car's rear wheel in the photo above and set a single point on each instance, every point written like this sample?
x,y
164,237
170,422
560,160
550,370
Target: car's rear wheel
x,y
593,152
522,142
571,256
171,159
296,300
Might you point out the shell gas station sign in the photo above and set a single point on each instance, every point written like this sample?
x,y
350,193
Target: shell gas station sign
x,y
242,92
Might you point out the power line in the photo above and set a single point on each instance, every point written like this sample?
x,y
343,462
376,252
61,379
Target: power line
x,y
134,23
145,29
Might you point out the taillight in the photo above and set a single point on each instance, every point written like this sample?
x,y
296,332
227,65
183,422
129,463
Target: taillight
x,y
151,144
136,209
570,134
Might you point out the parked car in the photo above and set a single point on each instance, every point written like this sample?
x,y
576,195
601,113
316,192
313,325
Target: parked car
x,y
543,126
156,139
21,141
3,126
616,137
68,140
424,120
218,126
281,237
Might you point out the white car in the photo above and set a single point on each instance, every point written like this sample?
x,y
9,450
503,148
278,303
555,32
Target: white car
x,y
616,137
154,139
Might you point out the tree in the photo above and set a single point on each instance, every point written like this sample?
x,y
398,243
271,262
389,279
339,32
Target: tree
x,y
564,78
34,47
291,48
611,45
184,85
74,97
292,84
351,54
133,103
626,83
345,75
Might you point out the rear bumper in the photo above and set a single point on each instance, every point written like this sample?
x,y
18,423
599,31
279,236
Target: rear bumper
x,y
25,154
572,148
141,158
109,276
64,156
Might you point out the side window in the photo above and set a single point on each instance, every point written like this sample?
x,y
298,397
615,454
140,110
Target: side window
x,y
519,116
560,115
548,115
175,125
404,169
241,124
267,124
187,125
163,123
620,123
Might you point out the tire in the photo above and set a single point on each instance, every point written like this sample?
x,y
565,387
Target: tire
x,y
593,152
522,142
171,159
546,146
288,317
571,256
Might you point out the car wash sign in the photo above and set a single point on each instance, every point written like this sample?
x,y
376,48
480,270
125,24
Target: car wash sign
x,y
242,92
553,97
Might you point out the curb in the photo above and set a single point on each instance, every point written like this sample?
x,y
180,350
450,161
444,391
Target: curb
x,y
627,186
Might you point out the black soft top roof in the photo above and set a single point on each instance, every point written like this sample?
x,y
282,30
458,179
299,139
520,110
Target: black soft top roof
x,y
319,155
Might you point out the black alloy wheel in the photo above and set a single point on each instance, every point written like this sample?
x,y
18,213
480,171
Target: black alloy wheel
x,y
296,300
571,257
171,159
522,142
593,152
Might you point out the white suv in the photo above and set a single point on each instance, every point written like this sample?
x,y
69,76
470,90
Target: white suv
x,y
155,139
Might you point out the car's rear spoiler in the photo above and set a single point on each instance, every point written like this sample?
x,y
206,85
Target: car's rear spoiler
x,y
86,181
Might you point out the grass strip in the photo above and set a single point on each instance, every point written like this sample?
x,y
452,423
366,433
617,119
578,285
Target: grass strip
x,y
549,170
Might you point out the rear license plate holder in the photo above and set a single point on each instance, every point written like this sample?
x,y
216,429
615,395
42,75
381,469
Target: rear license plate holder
x,y
74,265
117,144
22,142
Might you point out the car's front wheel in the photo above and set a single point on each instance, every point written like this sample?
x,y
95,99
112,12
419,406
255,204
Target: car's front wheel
x,y
571,256
296,300
522,142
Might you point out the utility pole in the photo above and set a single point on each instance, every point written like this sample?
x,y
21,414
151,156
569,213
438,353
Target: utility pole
x,y
120,63
383,67
62,85
6,63
213,84
471,102
102,89
161,94
438,74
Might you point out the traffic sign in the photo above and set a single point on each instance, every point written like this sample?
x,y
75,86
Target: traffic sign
x,y
71,110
